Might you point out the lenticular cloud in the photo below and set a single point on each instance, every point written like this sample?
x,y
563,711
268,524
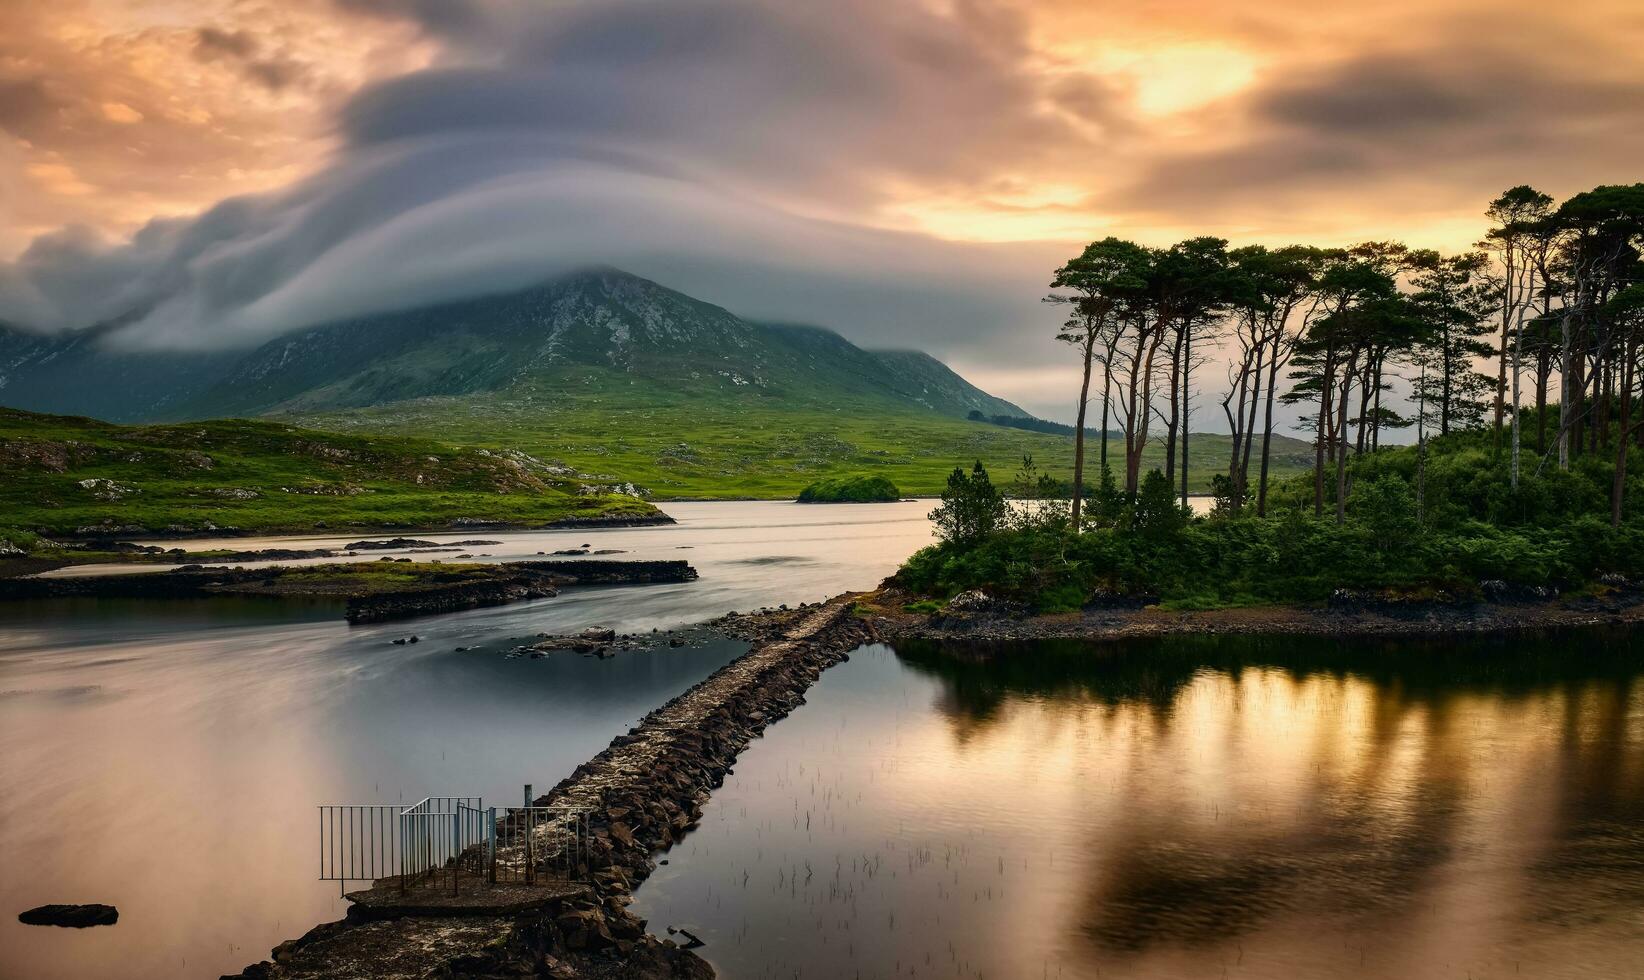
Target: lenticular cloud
x,y
718,147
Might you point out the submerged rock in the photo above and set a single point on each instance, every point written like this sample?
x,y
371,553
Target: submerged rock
x,y
70,916
393,544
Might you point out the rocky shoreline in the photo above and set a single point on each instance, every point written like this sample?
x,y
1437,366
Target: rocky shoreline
x,y
976,618
642,794
415,590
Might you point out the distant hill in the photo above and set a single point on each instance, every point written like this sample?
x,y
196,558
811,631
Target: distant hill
x,y
627,328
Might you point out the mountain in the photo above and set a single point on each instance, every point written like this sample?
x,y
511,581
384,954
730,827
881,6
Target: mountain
x,y
600,323
600,371
82,374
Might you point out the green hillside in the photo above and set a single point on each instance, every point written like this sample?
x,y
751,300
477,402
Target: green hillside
x,y
80,477
680,444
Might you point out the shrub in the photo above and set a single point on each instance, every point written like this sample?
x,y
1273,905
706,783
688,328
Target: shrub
x,y
850,490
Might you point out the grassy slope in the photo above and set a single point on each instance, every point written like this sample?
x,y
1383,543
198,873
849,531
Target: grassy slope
x,y
267,477
716,442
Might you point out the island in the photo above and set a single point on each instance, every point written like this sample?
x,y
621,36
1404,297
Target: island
x,y
850,490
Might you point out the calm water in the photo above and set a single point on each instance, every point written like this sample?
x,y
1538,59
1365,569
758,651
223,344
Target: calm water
x,y
1189,809
166,757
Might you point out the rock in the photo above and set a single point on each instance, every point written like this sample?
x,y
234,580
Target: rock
x,y
392,544
70,916
974,600
597,634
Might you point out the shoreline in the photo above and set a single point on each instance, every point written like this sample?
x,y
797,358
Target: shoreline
x,y
989,622
137,534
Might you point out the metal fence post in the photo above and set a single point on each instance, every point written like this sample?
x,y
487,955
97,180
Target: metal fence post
x,y
491,840
405,844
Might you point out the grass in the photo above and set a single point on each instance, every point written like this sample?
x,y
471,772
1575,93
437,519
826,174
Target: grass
x,y
80,477
685,444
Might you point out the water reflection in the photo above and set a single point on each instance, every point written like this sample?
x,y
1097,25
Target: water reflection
x,y
1186,808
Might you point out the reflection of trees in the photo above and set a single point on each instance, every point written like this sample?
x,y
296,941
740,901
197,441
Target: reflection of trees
x,y
1596,861
977,679
1169,881
1379,815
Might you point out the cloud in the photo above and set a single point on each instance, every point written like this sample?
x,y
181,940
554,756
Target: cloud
x,y
905,172
1454,114
716,145
212,43
241,50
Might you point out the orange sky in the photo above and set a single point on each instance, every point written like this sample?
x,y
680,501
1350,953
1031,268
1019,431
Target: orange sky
x,y
121,110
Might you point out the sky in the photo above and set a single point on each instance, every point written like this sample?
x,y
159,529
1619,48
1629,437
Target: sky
x,y
216,172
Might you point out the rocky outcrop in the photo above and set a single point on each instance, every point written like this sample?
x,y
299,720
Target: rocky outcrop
x,y
392,544
368,598
446,598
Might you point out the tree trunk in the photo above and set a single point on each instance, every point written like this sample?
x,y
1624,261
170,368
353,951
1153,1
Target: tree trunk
x,y
1375,418
1079,435
1341,446
1501,361
1175,402
1267,433
1107,394
1364,410
1326,408
1187,405
1565,387
1602,391
1544,371
1249,431
1618,485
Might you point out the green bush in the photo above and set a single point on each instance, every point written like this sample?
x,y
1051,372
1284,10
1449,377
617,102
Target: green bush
x,y
850,490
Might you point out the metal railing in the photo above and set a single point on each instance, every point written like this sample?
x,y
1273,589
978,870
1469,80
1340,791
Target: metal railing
x,y
375,841
360,841
431,836
532,840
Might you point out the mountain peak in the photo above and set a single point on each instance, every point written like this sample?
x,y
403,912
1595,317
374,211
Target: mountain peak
x,y
597,328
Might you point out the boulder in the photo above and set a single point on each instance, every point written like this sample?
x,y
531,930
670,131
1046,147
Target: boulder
x,y
70,916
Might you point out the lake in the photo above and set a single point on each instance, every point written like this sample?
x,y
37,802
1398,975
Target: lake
x,y
166,757
1189,808
1184,809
